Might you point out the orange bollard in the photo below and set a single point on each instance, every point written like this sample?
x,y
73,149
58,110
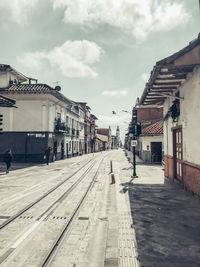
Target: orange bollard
x,y
112,178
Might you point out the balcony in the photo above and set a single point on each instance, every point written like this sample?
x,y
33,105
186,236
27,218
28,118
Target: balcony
x,y
60,126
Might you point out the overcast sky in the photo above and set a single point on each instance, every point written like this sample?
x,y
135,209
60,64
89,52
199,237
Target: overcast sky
x,y
99,51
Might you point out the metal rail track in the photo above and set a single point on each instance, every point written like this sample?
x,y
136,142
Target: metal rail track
x,y
64,230
12,218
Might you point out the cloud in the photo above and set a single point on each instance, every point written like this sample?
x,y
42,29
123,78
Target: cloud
x,y
18,10
115,120
140,17
115,93
73,58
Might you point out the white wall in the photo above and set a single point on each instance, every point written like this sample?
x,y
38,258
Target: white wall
x,y
189,119
29,116
146,141
37,112
168,143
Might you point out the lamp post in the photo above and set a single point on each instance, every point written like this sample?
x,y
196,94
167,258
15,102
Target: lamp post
x,y
134,141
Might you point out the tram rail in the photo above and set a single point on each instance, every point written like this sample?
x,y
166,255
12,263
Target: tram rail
x,y
49,256
27,207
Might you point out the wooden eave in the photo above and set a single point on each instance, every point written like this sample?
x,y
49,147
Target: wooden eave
x,y
169,73
165,80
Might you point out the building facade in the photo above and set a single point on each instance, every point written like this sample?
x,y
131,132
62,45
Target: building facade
x,y
43,117
106,132
175,82
150,140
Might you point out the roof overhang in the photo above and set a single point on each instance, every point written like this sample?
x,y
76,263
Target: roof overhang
x,y
164,81
170,73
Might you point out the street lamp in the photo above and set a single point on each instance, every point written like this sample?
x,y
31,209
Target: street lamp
x,y
134,141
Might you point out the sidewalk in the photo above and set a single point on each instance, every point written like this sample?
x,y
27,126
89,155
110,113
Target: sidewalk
x,y
130,155
166,219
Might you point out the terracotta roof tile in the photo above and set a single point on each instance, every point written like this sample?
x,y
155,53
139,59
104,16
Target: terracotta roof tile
x,y
27,88
155,128
34,89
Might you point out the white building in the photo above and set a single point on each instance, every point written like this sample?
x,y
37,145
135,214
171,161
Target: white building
x,y
150,142
43,117
175,82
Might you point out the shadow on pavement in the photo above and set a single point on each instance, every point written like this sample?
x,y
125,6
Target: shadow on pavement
x,y
166,220
17,166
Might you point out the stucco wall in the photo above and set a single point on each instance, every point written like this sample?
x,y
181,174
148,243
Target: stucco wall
x,y
189,119
29,116
167,136
145,141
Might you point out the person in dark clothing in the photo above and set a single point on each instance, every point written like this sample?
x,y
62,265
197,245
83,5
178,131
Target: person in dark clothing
x,y
8,157
47,154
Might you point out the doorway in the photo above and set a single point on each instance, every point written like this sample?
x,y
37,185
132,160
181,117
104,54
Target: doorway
x,y
156,151
177,153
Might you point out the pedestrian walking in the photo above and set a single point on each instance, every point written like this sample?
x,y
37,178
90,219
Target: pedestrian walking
x,y
47,154
8,157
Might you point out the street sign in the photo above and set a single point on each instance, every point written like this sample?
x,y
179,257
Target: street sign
x,y
133,142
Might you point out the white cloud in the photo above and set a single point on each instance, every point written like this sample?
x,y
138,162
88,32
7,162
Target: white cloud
x,y
18,10
73,58
115,93
140,17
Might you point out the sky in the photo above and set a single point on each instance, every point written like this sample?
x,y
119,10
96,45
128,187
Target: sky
x,y
99,51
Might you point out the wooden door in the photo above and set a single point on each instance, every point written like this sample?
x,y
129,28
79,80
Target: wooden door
x,y
177,151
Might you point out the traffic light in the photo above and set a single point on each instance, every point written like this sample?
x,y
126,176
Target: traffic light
x,y
134,116
1,122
